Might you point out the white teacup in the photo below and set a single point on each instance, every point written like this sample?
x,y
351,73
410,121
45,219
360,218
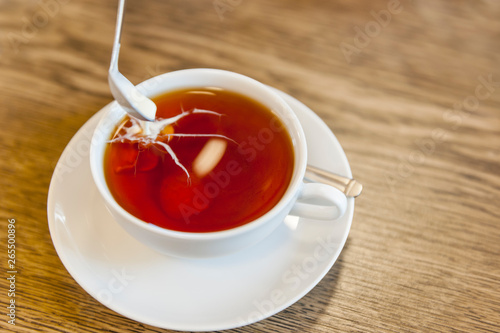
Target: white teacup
x,y
211,244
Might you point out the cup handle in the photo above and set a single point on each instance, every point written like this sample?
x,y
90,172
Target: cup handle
x,y
320,212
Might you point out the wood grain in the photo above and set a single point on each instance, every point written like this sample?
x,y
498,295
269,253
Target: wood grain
x,y
423,254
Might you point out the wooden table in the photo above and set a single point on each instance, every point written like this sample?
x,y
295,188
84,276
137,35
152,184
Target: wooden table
x,y
411,89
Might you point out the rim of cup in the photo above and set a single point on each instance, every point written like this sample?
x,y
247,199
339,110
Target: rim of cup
x,y
156,86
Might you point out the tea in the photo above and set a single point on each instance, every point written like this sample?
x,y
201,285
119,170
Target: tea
x,y
213,160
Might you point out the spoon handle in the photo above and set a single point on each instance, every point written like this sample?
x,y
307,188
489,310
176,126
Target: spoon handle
x,y
350,187
118,36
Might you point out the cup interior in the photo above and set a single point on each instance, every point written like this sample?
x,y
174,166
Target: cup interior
x,y
198,78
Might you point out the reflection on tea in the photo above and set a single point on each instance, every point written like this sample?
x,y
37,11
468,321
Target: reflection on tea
x,y
213,160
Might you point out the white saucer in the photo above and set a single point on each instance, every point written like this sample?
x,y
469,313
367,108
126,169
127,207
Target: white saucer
x,y
191,295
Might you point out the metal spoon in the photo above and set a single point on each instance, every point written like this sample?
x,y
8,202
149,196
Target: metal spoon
x,y
125,93
350,187
141,107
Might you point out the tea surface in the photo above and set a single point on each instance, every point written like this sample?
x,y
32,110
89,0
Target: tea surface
x,y
223,161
